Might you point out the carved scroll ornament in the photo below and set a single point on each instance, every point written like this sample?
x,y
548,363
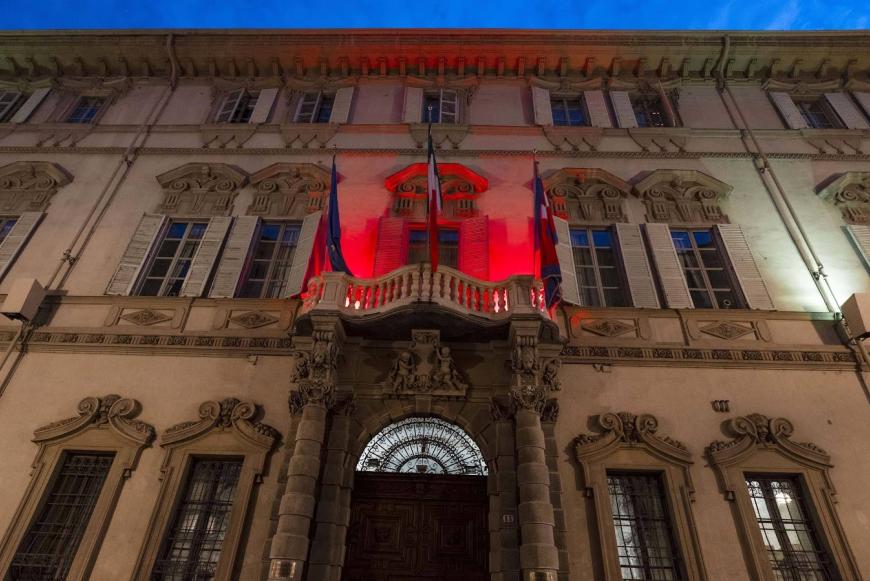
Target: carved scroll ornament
x,y
851,193
112,412
289,189
682,197
203,189
28,186
579,194
228,414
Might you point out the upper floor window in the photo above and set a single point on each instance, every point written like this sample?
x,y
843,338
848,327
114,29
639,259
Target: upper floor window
x,y
237,106
569,111
86,109
271,260
818,113
650,111
440,106
6,225
315,107
705,268
595,261
10,103
448,246
168,270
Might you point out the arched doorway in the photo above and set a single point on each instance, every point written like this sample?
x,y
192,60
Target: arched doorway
x,y
419,507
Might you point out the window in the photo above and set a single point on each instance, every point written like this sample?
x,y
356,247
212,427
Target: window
x,y
710,283
818,113
598,275
86,109
315,107
51,542
789,536
644,536
441,106
10,103
6,225
448,246
650,111
271,260
169,267
193,544
569,111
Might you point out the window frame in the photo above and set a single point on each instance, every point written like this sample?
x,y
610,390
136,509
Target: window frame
x,y
727,268
618,266
565,99
428,94
825,109
9,110
105,101
642,101
317,109
420,227
251,258
155,249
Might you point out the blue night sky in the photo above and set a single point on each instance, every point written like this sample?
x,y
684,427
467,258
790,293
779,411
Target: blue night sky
x,y
651,14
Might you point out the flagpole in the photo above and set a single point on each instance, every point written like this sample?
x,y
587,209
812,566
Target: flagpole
x,y
428,205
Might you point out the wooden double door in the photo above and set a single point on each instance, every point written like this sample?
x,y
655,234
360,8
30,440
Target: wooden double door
x,y
417,527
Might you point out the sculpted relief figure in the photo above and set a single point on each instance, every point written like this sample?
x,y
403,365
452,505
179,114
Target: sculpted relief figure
x,y
402,375
446,374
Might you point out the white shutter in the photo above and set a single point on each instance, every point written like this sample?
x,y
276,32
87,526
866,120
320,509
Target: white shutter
x,y
302,255
745,267
860,236
341,105
308,105
864,100
229,106
30,105
17,237
205,257
7,100
668,267
599,116
136,254
541,106
449,107
229,270
848,112
263,107
413,107
788,110
625,116
637,271
570,287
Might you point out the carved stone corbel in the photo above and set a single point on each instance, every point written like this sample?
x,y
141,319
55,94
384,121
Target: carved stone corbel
x,y
534,377
316,372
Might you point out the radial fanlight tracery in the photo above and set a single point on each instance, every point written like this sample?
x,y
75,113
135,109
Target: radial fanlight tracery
x,y
422,445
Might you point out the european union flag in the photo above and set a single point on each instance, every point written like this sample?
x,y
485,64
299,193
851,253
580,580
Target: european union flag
x,y
333,236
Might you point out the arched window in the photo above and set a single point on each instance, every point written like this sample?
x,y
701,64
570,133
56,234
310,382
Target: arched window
x,y
425,446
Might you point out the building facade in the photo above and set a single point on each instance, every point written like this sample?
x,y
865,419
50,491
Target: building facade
x,y
198,397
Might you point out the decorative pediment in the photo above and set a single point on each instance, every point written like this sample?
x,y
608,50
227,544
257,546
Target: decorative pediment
x,y
851,193
627,429
593,195
27,186
460,188
682,196
425,367
201,189
231,415
289,189
110,412
759,431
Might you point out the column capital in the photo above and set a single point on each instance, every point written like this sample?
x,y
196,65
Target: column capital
x,y
315,373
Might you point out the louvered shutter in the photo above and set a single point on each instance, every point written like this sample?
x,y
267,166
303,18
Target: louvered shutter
x,y
265,101
136,254
846,110
302,255
228,107
641,286
668,267
235,253
599,116
565,254
341,105
474,247
17,237
864,100
30,105
206,255
392,247
541,106
449,106
789,111
745,267
412,111
860,236
7,100
625,116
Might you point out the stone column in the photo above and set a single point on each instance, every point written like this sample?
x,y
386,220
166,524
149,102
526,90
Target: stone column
x,y
504,561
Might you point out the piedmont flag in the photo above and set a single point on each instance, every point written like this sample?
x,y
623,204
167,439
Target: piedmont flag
x,y
545,245
434,190
333,235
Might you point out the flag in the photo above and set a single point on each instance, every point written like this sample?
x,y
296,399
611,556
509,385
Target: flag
x,y
333,235
434,189
545,244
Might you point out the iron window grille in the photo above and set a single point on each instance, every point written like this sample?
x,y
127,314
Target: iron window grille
x,y
169,267
86,109
6,225
644,534
10,103
595,261
650,111
193,544
270,262
818,114
789,535
48,548
569,111
705,267
441,106
448,246
315,107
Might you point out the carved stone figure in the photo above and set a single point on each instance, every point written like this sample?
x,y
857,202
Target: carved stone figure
x,y
446,375
550,375
425,366
402,375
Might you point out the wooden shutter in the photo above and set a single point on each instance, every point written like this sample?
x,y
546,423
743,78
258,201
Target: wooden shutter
x,y
638,274
668,267
235,253
474,247
847,111
860,236
625,116
449,103
16,238
565,254
228,108
391,251
599,116
307,107
341,105
7,100
302,255
789,111
541,106
863,100
744,267
136,254
412,111
263,107
30,105
206,255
